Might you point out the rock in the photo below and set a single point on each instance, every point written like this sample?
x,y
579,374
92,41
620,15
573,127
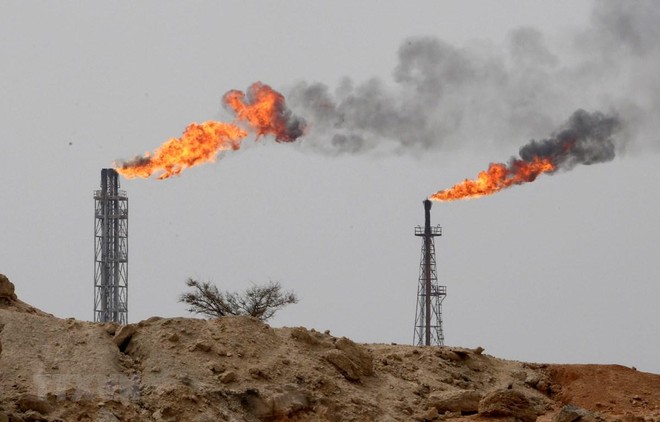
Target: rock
x,y
288,402
228,377
110,327
464,401
258,373
449,355
216,368
361,357
7,289
123,336
304,336
508,403
29,402
344,364
431,414
533,379
463,353
282,403
350,359
201,346
570,413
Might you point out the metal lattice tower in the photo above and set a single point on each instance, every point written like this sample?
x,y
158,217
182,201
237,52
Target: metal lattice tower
x,y
428,312
110,250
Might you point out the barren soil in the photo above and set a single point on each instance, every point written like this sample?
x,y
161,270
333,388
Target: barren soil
x,y
240,369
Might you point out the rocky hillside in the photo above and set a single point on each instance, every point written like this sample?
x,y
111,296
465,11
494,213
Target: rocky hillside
x,y
240,369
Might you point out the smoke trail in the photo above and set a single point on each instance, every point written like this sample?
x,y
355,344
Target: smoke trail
x,y
445,95
448,95
585,139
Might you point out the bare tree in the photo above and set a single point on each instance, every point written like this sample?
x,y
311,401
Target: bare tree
x,y
260,301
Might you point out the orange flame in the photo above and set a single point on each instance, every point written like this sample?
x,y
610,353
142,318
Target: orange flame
x,y
263,111
199,144
498,176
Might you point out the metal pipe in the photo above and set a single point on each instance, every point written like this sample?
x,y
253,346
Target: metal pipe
x,y
105,265
427,269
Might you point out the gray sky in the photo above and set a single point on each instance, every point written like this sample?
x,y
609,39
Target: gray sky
x,y
561,270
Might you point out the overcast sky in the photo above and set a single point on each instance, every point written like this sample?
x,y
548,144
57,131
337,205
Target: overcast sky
x,y
564,269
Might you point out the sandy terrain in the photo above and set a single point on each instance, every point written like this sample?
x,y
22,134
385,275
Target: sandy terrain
x,y
240,369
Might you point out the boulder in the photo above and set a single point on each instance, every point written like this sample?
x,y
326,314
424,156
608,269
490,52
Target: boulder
x,y
280,404
29,402
343,364
449,355
123,336
510,403
463,401
358,354
201,346
570,413
302,335
6,289
479,350
111,327
228,377
350,359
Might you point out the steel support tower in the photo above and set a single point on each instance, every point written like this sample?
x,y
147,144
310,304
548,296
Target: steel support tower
x,y
428,312
110,250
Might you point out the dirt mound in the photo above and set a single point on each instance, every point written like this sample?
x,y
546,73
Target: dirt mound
x,y
240,369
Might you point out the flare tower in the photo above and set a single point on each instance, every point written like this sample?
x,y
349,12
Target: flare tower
x,y
110,250
428,313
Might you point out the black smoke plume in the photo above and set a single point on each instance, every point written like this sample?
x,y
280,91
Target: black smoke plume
x,y
587,138
441,95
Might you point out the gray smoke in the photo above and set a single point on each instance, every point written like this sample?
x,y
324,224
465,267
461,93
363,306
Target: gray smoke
x,y
445,95
587,138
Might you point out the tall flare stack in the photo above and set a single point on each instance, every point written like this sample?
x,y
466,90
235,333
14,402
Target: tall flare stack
x,y
428,312
110,250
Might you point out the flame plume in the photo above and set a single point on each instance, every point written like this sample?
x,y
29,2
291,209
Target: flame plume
x,y
262,110
585,139
265,112
497,177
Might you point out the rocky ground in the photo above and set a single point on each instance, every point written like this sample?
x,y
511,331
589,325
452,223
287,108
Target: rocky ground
x,y
240,369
